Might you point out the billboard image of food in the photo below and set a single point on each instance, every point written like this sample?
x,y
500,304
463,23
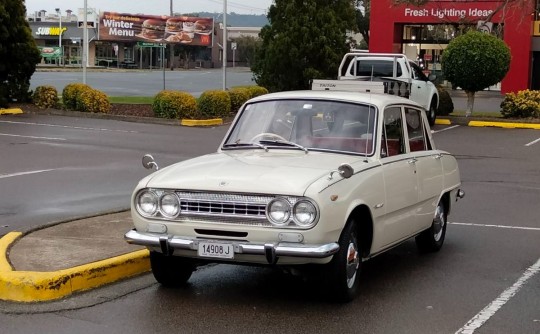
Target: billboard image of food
x,y
156,29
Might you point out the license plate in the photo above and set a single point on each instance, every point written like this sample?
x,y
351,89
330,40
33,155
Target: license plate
x,y
216,250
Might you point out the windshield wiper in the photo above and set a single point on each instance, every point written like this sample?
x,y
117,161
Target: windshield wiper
x,y
238,144
287,143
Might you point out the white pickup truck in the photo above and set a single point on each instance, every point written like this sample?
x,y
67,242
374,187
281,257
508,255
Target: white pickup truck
x,y
388,73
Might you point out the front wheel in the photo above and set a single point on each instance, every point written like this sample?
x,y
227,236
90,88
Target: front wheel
x,y
432,113
432,239
171,271
344,269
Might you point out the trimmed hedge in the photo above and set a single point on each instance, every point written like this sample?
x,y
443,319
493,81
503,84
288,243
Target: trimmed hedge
x,y
70,94
93,100
45,97
214,104
175,105
254,91
446,105
238,97
523,104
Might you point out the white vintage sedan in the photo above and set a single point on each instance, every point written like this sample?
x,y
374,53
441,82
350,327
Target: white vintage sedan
x,y
320,178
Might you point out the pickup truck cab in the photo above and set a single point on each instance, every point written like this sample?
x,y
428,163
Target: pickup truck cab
x,y
397,70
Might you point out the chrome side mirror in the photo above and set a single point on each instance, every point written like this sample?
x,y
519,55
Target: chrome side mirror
x,y
344,170
148,162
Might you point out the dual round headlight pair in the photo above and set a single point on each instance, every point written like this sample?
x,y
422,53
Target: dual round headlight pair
x,y
148,204
303,213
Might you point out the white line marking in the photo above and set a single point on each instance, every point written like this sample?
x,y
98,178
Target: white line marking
x,y
32,137
448,128
67,126
533,142
483,316
24,173
500,226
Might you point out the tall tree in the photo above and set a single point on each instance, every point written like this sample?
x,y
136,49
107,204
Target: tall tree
x,y
363,10
18,52
474,61
304,40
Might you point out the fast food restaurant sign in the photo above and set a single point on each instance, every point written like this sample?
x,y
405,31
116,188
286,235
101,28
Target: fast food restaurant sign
x,y
156,29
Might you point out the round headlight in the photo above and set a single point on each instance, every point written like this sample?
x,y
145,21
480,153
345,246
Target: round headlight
x,y
279,211
147,203
169,205
304,213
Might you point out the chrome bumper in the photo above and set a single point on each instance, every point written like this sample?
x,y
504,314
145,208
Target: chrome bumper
x,y
271,250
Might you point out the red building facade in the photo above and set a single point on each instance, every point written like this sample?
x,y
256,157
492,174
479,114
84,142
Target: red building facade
x,y
426,31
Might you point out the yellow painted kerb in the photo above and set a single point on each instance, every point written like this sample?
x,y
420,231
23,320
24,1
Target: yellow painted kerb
x,y
11,111
27,286
442,121
202,122
534,126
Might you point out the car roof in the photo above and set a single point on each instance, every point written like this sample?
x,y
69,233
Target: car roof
x,y
380,100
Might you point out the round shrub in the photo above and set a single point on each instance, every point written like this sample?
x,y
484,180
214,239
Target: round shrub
x,y
254,91
45,97
93,100
524,104
214,103
70,94
238,97
446,105
174,105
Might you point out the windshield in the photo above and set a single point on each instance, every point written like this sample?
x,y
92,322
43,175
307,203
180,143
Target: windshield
x,y
307,125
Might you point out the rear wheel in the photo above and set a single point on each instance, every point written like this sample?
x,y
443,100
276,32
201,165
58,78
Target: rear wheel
x,y
171,271
432,239
344,271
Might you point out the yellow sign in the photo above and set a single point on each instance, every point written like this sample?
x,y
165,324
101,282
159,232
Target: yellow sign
x,y
536,28
50,31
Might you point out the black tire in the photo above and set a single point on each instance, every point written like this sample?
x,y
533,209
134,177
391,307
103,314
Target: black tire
x,y
432,239
432,113
171,271
344,269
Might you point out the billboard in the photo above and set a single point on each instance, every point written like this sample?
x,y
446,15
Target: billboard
x,y
155,29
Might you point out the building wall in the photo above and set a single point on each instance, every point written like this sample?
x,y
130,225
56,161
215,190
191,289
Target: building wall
x,y
386,20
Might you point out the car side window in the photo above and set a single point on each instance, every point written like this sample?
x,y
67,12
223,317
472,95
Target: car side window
x,y
417,72
415,130
392,136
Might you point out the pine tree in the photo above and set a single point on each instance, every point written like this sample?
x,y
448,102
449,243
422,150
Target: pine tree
x,y
305,40
18,52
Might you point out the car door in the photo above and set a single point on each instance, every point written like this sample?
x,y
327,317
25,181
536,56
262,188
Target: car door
x,y
420,92
428,165
400,182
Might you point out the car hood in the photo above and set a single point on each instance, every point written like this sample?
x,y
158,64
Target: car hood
x,y
278,172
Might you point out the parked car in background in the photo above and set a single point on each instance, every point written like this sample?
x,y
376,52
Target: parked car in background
x,y
321,178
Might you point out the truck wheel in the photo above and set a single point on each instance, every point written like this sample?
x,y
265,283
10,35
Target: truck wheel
x,y
432,239
344,269
432,113
171,271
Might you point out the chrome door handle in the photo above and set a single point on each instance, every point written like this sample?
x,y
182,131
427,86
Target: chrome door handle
x,y
412,161
438,156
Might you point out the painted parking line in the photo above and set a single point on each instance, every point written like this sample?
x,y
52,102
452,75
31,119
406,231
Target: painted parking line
x,y
69,127
533,142
483,316
31,137
445,129
3,176
487,312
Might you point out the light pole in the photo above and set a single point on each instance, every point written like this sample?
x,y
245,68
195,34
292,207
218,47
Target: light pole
x,y
60,35
224,44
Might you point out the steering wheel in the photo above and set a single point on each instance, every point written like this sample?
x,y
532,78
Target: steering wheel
x,y
268,134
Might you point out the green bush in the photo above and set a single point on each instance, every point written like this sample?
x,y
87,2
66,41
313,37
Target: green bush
x,y
446,105
214,103
254,91
524,104
93,100
70,94
45,97
175,105
238,97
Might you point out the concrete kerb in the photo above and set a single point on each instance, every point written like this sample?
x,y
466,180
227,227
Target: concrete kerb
x,y
26,286
479,123
11,111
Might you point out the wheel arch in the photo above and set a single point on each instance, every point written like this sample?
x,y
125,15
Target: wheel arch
x,y
364,227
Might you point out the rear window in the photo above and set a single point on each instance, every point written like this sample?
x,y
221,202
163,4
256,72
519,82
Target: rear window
x,y
377,68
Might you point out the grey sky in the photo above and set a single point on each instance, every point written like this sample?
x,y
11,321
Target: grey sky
x,y
151,7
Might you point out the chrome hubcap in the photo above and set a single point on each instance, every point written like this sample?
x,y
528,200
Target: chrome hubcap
x,y
438,223
353,263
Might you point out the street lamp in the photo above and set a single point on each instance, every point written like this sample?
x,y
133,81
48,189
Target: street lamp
x,y
60,34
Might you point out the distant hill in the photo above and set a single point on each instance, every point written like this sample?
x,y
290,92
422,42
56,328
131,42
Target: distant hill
x,y
234,19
